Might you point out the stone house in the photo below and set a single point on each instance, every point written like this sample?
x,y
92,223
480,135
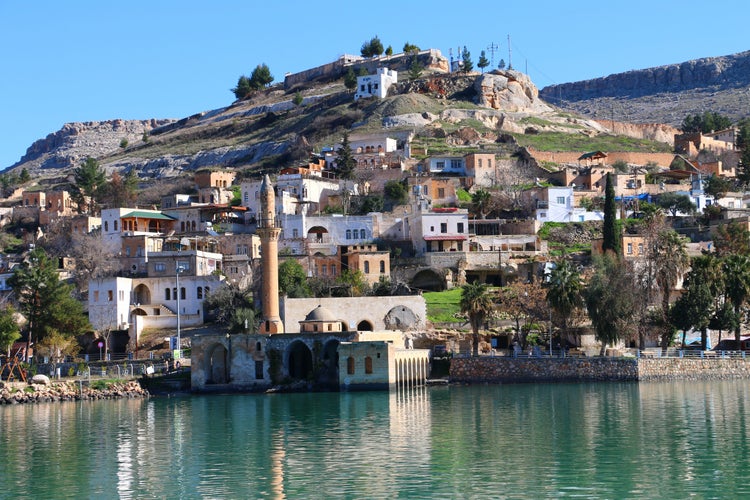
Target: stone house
x,y
376,85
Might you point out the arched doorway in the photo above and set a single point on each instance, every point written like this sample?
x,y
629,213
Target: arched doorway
x,y
300,361
429,280
329,374
316,234
142,295
217,370
400,318
364,326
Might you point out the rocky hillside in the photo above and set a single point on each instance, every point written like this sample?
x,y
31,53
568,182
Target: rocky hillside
x,y
664,94
269,130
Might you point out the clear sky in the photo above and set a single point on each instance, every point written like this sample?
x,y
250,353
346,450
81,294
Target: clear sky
x,y
90,60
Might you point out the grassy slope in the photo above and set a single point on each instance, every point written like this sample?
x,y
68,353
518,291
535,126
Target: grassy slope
x,y
442,307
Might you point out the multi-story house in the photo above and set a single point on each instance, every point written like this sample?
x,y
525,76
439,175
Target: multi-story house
x,y
376,85
440,230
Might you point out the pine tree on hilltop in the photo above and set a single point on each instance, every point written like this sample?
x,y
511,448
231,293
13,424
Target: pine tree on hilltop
x,y
483,61
468,65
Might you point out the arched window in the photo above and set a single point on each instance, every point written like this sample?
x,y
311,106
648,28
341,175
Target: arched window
x,y
368,364
258,346
200,292
246,197
167,294
350,365
182,226
362,234
114,225
348,234
106,225
382,266
183,296
367,267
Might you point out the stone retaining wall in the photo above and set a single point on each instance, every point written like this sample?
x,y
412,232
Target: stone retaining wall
x,y
16,393
502,369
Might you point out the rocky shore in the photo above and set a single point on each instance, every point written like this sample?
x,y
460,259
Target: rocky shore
x,y
15,393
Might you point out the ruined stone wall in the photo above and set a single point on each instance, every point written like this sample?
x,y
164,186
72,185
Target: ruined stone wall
x,y
661,159
504,369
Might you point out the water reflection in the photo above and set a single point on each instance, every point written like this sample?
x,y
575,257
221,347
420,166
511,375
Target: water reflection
x,y
524,441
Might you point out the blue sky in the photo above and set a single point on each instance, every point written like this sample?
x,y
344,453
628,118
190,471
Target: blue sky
x,y
89,60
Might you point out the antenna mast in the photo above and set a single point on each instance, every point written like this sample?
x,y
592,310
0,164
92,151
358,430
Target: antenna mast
x,y
492,47
510,58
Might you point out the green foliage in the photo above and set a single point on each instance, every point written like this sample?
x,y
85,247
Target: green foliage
x,y
297,100
621,166
395,193
145,138
350,79
89,180
103,384
610,300
124,143
260,78
415,69
468,65
372,48
480,203
743,143
463,195
501,64
243,88
483,61
610,231
732,238
565,292
25,176
351,283
674,203
46,301
293,280
367,204
228,304
562,141
9,330
476,303
389,51
443,307
345,162
717,186
707,122
409,48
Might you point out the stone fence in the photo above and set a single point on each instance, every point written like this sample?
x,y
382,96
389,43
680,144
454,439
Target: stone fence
x,y
511,370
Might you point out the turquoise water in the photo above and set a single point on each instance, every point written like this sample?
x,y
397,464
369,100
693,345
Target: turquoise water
x,y
648,440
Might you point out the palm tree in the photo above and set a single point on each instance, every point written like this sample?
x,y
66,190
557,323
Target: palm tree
x,y
737,282
480,203
564,293
671,261
476,302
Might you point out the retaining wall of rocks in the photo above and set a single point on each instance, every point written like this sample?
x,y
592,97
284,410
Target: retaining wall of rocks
x,y
510,370
18,392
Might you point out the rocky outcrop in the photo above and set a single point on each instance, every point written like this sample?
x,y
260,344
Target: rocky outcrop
x,y
728,71
509,91
74,142
650,131
67,391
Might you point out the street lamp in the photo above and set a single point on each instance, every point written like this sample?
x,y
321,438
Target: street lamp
x,y
178,270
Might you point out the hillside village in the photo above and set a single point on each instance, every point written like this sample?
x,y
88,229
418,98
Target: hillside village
x,y
429,202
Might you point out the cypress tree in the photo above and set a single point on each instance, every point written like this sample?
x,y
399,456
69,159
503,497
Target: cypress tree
x,y
610,229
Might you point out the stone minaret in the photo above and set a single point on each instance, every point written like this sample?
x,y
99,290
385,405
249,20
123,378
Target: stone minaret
x,y
269,249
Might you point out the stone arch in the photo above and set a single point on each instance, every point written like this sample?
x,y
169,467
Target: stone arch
x,y
316,233
217,365
299,359
329,374
400,318
142,294
428,279
365,326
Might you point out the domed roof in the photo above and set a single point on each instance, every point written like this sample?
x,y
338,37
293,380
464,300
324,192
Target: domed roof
x,y
320,313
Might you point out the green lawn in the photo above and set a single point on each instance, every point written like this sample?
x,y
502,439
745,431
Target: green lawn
x,y
442,306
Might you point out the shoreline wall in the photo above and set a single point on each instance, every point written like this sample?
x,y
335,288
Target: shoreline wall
x,y
510,370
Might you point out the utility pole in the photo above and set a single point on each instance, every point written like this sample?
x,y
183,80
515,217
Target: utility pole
x,y
492,48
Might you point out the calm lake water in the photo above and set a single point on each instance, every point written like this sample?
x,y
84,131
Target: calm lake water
x,y
648,440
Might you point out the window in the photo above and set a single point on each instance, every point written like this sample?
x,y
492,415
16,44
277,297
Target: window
x,y
96,295
443,227
441,193
350,365
460,227
246,197
382,266
114,225
630,249
489,163
348,234
362,234
440,165
121,295
425,191
295,233
479,163
199,292
456,164
127,251
110,295
324,270
183,295
367,267
259,370
160,267
333,269
640,248
362,88
368,364
106,225
561,200
543,215
168,294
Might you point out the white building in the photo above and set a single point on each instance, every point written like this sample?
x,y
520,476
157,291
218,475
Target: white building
x,y
555,204
440,230
376,85
119,222
296,193
303,234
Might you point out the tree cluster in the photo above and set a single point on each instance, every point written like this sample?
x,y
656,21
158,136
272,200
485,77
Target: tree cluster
x,y
258,79
372,48
705,123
